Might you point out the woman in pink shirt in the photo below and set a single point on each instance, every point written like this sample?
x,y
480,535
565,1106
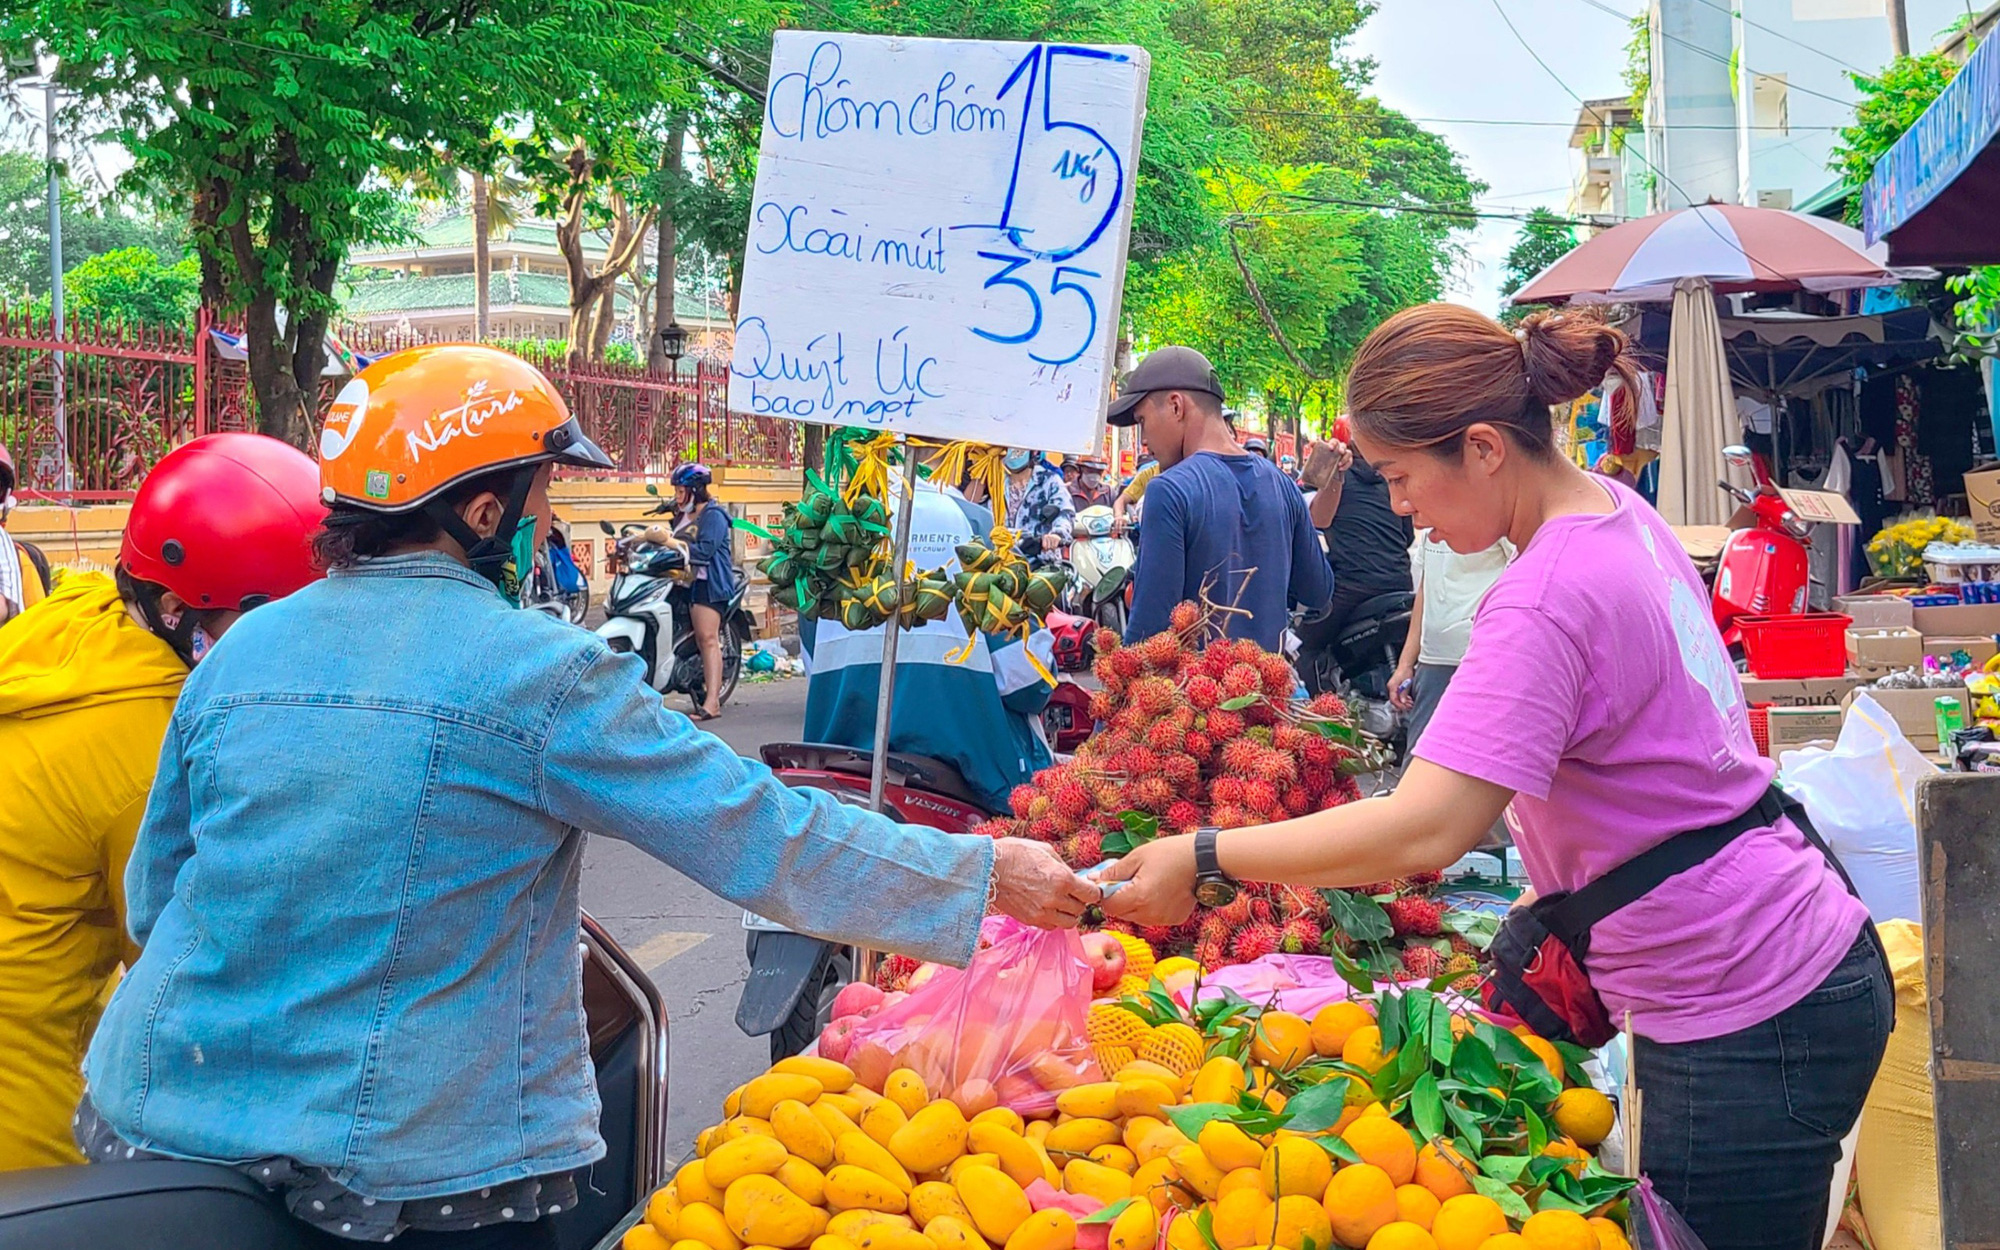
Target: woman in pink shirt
x,y
1597,703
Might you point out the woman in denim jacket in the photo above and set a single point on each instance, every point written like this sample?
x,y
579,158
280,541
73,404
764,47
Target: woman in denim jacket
x,y
356,881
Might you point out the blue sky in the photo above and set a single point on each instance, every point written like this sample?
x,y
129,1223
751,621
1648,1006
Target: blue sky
x,y
1456,59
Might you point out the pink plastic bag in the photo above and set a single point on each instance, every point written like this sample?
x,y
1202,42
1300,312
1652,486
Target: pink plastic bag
x,y
1655,1223
1006,1031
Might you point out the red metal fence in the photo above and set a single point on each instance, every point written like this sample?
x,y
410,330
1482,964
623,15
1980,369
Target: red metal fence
x,y
128,395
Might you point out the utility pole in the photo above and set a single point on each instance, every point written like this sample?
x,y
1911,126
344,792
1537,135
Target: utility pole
x,y
66,474
1899,27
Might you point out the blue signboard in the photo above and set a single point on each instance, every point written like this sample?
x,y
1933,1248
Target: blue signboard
x,y
1946,140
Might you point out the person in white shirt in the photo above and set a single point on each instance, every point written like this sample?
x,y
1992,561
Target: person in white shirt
x,y
1449,588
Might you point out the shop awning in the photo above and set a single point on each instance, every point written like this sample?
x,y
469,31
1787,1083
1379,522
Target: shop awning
x,y
1791,353
1935,196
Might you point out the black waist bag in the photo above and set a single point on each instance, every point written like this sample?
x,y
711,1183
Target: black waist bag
x,y
1539,955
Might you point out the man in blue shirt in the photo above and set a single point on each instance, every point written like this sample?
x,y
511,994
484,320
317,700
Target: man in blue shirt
x,y
1219,520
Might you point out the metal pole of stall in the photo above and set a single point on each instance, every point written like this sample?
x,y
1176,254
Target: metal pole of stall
x,y
878,769
65,476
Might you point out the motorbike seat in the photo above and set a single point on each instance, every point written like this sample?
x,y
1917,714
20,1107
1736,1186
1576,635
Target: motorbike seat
x,y
144,1205
904,767
1372,615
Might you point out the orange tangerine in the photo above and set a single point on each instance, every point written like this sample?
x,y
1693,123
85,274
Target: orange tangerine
x,y
1402,1235
1546,1051
1443,1171
1386,1144
1334,1023
1359,1201
1417,1205
1558,1230
1282,1040
1467,1221
1363,1049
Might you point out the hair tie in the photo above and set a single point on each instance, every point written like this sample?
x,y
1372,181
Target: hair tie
x,y
1520,335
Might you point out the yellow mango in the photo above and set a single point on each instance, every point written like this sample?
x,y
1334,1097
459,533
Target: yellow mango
x,y
732,1102
1036,1130
1221,1079
1229,1147
955,1232
863,1097
934,1198
804,1179
686,1243
1136,1130
772,1088
997,1204
1146,1096
1113,1155
850,1188
1018,1157
691,1183
889,1237
1147,1070
1159,1141
970,1161
1045,1230
662,1209
906,1089
833,1077
704,1141
935,1136
832,1241
847,1103
881,1120
1158,1183
863,1151
763,1212
1107,1185
1183,1235
1081,1136
802,1133
1195,1171
1136,1228
643,1236
705,1224
1005,1117
741,1157
851,1224
1097,1100
831,1118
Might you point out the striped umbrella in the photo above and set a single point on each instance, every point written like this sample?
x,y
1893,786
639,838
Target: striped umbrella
x,y
1733,247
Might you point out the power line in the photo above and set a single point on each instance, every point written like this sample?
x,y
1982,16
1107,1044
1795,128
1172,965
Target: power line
x,y
1427,210
1340,115
1739,15
1698,50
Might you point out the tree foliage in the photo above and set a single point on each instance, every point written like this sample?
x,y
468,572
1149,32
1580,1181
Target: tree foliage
x,y
1544,239
1890,104
91,224
133,286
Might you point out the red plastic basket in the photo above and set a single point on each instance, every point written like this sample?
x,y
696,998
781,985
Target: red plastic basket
x,y
1760,727
1803,644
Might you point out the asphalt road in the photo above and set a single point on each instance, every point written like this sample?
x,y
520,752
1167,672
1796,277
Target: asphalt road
x,y
690,941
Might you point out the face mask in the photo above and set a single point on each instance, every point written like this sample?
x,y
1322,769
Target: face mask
x,y
1017,460
520,559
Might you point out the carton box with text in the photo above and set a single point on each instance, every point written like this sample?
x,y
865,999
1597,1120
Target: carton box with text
x,y
1914,711
1945,647
1884,650
1877,611
1794,727
1959,620
1982,495
1798,691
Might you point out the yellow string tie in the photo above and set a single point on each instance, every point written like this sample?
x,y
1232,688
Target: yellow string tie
x,y
871,468
984,463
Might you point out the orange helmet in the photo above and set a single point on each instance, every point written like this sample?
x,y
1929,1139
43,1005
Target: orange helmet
x,y
418,422
414,424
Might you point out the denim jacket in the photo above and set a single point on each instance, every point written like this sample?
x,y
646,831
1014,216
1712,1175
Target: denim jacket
x,y
356,883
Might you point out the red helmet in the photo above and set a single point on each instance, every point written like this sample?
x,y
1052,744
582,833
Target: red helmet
x,y
7,478
226,521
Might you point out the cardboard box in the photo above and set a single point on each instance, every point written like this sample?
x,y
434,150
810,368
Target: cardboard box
x,y
1799,692
1982,496
1794,727
1877,611
1884,650
1914,711
1960,620
1980,648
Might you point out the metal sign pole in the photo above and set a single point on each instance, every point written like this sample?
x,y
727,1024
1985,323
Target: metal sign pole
x,y
886,687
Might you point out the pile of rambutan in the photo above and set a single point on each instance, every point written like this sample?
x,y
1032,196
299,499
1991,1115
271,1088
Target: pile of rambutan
x,y
1197,729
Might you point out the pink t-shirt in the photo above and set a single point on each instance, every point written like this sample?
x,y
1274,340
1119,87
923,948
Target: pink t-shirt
x,y
1597,689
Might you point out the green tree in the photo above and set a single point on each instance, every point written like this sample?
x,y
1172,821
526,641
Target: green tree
x,y
1890,104
90,224
267,124
133,286
1543,240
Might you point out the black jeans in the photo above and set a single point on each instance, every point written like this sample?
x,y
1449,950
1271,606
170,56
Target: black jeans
x,y
1742,1132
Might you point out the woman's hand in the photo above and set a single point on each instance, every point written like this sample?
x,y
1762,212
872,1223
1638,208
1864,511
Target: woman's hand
x,y
1034,886
1160,882
1402,694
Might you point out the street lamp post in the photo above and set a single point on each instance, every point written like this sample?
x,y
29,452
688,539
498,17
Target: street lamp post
x,y
65,475
673,345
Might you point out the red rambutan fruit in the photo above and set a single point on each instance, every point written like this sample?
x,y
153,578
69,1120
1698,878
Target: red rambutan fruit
x,y
1255,940
1421,963
1203,692
1182,814
1415,916
1300,936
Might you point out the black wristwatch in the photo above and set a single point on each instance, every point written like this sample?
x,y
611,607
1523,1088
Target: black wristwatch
x,y
1212,886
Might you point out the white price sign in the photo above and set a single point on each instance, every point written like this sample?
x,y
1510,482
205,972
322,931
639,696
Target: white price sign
x,y
938,235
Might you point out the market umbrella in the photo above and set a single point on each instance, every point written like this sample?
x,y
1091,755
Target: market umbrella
x,y
1700,408
1735,247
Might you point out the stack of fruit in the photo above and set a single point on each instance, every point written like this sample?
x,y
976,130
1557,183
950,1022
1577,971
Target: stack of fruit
x,y
1384,1123
1200,730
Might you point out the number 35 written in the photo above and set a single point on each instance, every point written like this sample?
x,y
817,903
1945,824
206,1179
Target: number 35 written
x,y
1059,282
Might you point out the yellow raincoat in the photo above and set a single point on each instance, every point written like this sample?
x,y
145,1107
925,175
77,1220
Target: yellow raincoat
x,y
85,693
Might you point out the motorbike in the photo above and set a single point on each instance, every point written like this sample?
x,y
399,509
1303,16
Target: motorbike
x,y
646,611
1763,570
794,977
557,584
1357,660
1101,563
178,1205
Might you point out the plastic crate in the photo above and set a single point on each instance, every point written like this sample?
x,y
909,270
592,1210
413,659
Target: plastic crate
x,y
1803,644
1760,727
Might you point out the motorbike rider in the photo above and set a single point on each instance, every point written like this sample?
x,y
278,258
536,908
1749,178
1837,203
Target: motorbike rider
x,y
360,985
1367,543
705,524
1034,488
87,682
1090,489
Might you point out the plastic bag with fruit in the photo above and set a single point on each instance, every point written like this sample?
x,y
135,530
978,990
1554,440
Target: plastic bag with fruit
x,y
1007,1031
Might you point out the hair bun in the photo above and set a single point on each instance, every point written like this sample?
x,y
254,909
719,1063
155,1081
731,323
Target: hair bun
x,y
1566,355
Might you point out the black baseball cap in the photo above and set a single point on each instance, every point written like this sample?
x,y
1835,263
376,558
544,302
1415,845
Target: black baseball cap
x,y
1167,369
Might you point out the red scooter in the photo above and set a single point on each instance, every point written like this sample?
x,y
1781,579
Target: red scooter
x,y
1763,570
